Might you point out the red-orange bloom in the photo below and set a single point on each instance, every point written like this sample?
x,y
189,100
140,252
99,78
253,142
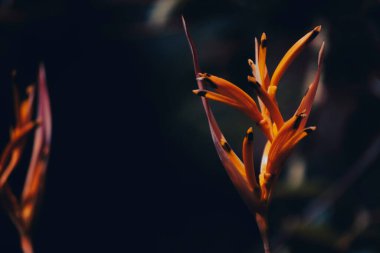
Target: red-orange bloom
x,y
22,210
282,135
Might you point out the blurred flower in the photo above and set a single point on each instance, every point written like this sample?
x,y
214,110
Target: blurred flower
x,y
23,211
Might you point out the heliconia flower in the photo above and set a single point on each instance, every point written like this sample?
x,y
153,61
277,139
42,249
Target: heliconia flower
x,y
22,211
23,127
282,135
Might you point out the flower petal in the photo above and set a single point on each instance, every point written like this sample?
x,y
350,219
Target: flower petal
x,y
292,53
217,97
234,159
26,107
274,111
253,67
286,149
248,160
229,89
262,57
11,205
272,155
256,72
307,101
264,158
285,133
41,150
233,166
290,144
12,152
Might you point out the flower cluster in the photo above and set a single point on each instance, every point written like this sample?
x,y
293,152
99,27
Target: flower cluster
x,y
282,135
22,210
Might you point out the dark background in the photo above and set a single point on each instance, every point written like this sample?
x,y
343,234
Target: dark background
x,y
133,168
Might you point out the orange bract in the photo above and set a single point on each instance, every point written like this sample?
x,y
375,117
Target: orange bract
x,y
22,211
282,136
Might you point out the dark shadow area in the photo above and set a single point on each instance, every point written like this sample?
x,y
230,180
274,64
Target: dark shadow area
x,y
133,167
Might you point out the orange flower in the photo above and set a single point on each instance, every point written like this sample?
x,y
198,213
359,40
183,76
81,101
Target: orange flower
x,y
22,211
282,135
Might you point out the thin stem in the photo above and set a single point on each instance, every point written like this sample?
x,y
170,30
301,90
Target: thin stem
x,y
26,244
262,224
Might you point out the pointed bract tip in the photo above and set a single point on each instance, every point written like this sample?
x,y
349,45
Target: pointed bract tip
x,y
322,46
250,134
251,79
310,129
30,89
200,93
299,119
263,40
250,62
314,33
183,21
225,145
321,53
41,69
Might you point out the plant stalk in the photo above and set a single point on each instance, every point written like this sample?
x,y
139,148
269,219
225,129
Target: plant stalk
x,y
26,244
262,223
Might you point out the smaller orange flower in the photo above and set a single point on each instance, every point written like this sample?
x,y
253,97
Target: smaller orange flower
x,y
23,211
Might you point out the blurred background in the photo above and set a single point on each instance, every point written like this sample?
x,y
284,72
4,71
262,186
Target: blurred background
x,y
133,167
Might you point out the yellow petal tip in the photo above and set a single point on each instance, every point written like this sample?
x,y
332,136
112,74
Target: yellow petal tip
x,y
310,129
225,145
200,93
249,134
263,41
